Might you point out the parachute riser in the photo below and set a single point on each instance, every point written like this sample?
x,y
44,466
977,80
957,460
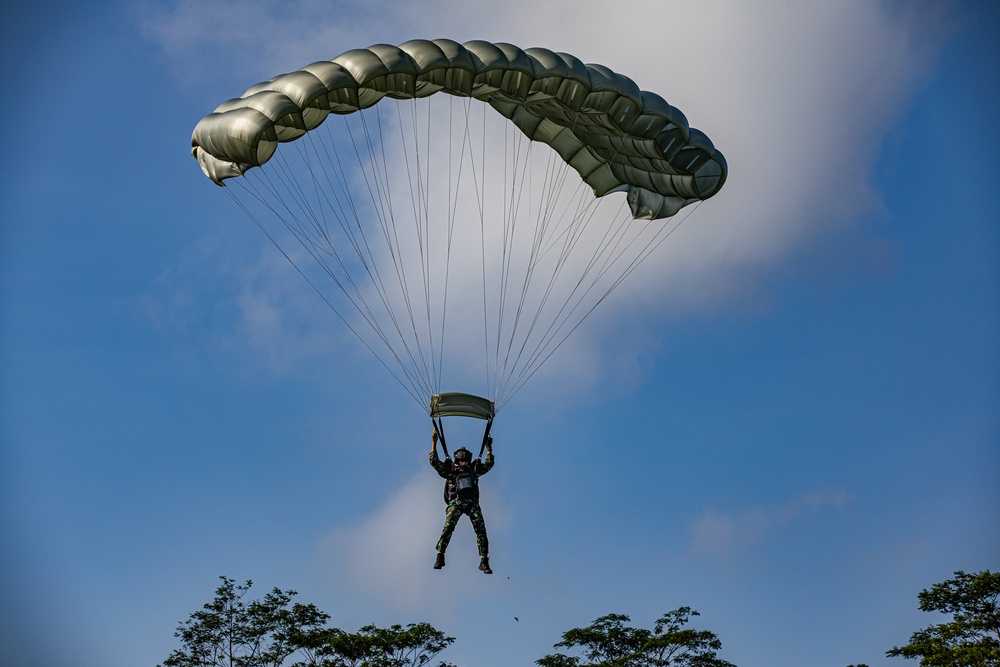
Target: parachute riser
x,y
456,404
439,427
486,436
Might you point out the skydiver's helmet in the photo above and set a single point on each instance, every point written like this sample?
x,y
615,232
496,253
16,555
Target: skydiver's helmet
x,y
463,454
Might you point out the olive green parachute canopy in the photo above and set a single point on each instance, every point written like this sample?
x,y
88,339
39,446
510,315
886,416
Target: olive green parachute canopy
x,y
616,136
432,226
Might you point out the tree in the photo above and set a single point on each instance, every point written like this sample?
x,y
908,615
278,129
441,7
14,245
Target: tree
x,y
972,638
413,646
230,632
609,642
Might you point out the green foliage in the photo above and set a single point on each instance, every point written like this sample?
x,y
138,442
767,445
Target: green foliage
x,y
230,632
396,646
972,638
609,642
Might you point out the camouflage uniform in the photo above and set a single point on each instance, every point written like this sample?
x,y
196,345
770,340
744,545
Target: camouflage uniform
x,y
458,506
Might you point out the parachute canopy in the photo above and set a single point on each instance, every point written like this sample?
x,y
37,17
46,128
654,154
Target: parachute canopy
x,y
444,240
613,134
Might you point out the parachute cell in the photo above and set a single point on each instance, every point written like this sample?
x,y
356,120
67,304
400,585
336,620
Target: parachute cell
x,y
611,132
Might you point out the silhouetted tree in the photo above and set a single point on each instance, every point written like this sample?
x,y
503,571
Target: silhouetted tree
x,y
395,646
230,632
609,642
972,638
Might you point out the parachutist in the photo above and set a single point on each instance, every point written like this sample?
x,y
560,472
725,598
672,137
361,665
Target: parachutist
x,y
461,493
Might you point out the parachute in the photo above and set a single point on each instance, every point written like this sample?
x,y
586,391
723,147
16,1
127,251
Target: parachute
x,y
440,235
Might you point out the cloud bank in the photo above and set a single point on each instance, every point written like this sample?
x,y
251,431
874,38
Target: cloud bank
x,y
387,555
717,533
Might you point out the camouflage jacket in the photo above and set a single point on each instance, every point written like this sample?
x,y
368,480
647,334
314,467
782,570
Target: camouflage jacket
x,y
461,484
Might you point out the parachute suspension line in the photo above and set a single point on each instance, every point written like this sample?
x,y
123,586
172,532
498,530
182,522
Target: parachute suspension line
x,y
546,219
359,242
570,241
585,212
322,241
538,232
482,246
454,187
358,300
479,183
547,347
423,228
572,302
519,169
511,147
419,207
414,179
551,233
653,244
291,221
379,207
661,235
538,304
366,257
437,351
395,246
536,228
490,371
248,188
491,368
552,185
380,193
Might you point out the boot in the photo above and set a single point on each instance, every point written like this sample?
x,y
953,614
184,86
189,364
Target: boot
x,y
439,561
484,565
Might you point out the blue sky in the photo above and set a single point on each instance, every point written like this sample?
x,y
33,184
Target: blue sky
x,y
788,420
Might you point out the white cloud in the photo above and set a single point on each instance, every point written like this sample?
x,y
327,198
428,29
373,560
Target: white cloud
x,y
716,532
237,302
388,555
280,316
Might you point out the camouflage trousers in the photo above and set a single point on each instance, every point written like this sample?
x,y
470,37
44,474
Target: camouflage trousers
x,y
453,514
